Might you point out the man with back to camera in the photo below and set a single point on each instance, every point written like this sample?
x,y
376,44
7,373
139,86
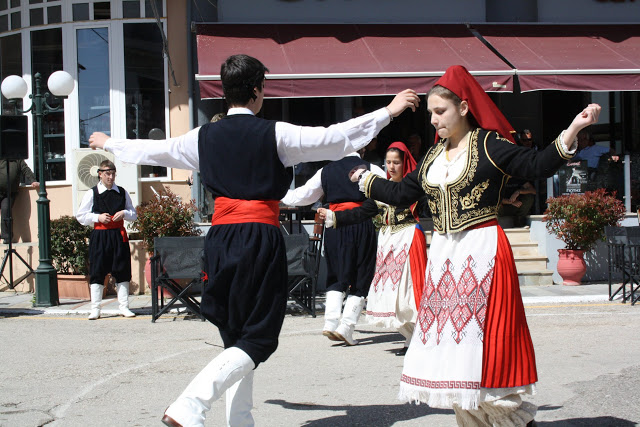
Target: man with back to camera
x,y
244,164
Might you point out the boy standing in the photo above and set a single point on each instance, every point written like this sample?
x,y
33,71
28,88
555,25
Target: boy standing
x,y
106,207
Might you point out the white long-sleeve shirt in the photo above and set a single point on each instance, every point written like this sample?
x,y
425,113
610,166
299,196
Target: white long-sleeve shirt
x,y
86,217
295,144
312,190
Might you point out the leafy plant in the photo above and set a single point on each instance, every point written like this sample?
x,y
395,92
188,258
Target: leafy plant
x,y
579,219
70,246
166,215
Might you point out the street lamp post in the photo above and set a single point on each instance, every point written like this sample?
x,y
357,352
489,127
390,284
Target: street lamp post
x,y
13,88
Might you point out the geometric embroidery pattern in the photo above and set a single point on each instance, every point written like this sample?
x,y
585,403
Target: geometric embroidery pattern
x,y
457,302
389,267
464,385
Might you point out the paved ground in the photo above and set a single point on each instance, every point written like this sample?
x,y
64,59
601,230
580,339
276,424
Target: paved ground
x,y
66,371
22,303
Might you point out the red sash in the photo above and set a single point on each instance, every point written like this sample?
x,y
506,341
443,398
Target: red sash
x,y
337,207
111,226
487,223
236,211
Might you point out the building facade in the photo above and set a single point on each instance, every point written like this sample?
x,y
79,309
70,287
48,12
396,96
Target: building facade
x,y
145,69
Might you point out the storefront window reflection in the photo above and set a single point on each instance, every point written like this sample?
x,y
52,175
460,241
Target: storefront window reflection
x,y
144,85
46,57
93,83
10,64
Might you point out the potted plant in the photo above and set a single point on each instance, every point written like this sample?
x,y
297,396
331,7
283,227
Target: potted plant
x,y
70,257
165,215
579,220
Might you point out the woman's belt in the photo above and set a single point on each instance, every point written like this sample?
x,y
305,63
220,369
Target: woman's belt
x,y
236,211
487,223
111,226
337,207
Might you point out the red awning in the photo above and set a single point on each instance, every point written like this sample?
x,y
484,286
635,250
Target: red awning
x,y
347,60
570,57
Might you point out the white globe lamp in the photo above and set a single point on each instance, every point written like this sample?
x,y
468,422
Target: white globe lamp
x,y
14,87
61,84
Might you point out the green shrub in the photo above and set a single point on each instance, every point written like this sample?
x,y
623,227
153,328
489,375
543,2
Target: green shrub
x,y
70,246
166,215
579,219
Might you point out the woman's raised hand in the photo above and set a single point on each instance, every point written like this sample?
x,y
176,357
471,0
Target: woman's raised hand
x,y
587,117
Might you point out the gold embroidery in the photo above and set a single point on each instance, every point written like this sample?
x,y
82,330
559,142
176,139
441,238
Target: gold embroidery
x,y
447,205
471,200
367,183
560,147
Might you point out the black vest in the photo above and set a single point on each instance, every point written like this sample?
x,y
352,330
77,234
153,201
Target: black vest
x,y
109,201
239,159
336,184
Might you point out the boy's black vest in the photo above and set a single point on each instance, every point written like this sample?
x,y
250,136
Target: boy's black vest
x,y
109,201
239,159
336,184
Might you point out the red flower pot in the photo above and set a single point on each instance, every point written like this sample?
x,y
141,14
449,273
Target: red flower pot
x,y
571,266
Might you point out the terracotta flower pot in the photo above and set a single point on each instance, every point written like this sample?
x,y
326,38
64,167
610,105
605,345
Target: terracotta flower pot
x,y
75,286
571,266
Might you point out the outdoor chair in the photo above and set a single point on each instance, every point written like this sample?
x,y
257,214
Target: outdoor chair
x,y
177,272
623,245
303,264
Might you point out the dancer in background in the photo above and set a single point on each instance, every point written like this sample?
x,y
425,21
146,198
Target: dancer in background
x,y
394,294
350,251
471,349
243,160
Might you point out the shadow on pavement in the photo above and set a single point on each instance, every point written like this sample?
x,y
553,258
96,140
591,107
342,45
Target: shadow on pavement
x,y
368,415
595,421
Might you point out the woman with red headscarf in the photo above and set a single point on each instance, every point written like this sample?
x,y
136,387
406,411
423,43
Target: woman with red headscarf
x,y
395,291
471,349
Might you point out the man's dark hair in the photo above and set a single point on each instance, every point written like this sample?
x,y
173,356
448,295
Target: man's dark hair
x,y
106,165
239,75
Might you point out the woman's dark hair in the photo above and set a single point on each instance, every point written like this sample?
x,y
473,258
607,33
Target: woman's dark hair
x,y
445,93
240,74
397,150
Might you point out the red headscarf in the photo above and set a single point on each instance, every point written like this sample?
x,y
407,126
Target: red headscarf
x,y
458,80
409,163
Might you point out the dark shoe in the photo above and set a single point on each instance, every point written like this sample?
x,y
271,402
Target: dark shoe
x,y
532,423
402,352
167,420
5,241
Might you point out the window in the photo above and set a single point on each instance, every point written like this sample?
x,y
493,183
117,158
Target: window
x,y
93,82
46,57
10,15
144,86
10,64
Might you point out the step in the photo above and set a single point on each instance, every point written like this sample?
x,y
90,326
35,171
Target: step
x,y
524,248
531,262
535,278
518,235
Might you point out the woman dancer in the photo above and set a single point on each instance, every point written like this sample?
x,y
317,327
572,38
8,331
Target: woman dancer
x,y
471,349
395,292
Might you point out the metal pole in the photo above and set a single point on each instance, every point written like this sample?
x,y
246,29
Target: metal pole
x,y
46,277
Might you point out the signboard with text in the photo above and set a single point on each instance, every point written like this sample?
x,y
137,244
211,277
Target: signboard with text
x,y
573,178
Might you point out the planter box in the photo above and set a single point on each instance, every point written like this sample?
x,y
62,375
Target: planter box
x,y
74,286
